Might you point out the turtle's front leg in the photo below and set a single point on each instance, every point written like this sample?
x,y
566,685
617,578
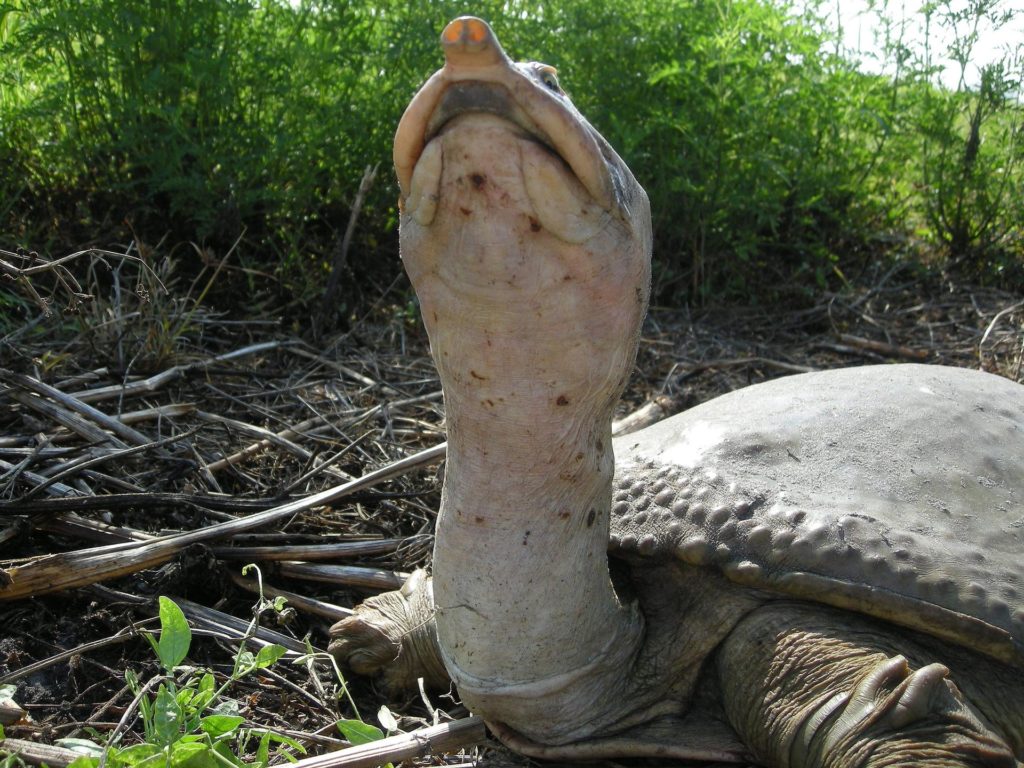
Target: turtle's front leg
x,y
393,635
805,686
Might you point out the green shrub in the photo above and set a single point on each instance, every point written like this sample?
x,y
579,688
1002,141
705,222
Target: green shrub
x,y
972,152
772,161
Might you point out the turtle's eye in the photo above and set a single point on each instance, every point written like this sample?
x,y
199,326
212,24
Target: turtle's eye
x,y
549,76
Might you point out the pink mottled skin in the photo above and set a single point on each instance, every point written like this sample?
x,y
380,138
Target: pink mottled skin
x,y
533,337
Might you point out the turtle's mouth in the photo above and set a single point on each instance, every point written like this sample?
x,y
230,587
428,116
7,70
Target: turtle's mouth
x,y
482,121
473,97
540,118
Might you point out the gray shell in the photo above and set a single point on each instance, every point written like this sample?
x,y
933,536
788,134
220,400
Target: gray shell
x,y
896,491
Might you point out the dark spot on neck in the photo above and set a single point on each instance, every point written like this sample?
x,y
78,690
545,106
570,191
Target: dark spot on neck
x,y
562,400
534,225
478,180
465,211
476,375
591,515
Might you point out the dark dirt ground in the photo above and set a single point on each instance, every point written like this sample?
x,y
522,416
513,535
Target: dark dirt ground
x,y
325,413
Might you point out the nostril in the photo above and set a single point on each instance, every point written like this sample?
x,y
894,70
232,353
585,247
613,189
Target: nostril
x,y
475,30
465,31
469,38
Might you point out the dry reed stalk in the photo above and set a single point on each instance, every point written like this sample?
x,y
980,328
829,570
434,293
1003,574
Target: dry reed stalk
x,y
371,579
299,602
55,573
418,744
335,551
34,753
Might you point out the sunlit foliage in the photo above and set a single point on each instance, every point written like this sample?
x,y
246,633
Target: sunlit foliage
x,y
775,165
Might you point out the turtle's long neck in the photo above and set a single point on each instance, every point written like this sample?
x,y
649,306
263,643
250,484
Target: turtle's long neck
x,y
526,614
532,295
521,553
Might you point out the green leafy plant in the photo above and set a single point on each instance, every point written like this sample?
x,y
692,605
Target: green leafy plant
x,y
357,732
188,720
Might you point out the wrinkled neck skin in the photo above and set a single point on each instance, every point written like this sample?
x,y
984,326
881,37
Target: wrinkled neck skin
x,y
534,338
526,614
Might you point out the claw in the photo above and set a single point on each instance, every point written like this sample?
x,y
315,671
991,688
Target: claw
x,y
922,695
393,635
867,701
892,699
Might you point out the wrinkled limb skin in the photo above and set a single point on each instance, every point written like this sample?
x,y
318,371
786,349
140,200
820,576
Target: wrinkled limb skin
x,y
808,687
393,635
804,686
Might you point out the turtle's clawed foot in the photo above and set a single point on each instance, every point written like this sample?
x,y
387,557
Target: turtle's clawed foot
x,y
889,693
893,710
393,635
808,687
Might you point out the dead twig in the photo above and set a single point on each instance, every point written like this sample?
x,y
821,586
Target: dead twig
x,y
10,713
267,437
340,262
128,417
421,743
55,573
883,348
38,754
373,579
846,349
80,503
83,427
298,602
282,439
70,524
342,549
743,361
649,413
237,630
992,325
38,265
12,472
345,370
82,463
30,669
160,380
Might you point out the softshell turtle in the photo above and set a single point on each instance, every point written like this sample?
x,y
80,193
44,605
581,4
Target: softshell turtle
x,y
824,570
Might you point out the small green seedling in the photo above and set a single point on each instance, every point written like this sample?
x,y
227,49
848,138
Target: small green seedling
x,y
9,761
188,722
357,732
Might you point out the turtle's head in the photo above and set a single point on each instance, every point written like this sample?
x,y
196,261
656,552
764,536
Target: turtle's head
x,y
479,78
526,237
